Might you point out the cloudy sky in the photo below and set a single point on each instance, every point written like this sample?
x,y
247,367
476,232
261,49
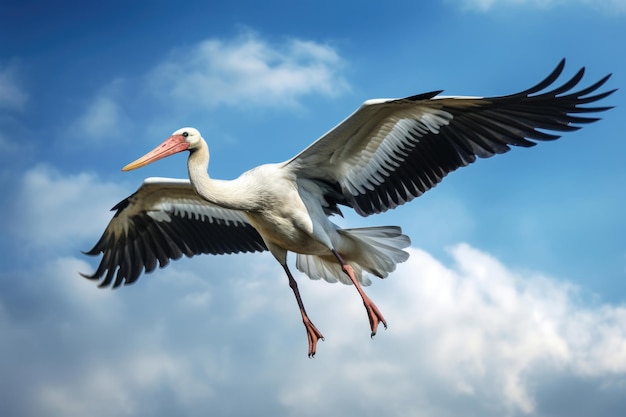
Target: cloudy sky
x,y
513,302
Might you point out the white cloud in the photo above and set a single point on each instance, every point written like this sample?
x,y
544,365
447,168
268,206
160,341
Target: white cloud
x,y
223,333
477,333
609,6
103,117
71,351
248,70
12,94
244,71
486,5
52,208
117,383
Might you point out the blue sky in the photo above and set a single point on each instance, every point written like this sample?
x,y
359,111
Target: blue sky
x,y
513,301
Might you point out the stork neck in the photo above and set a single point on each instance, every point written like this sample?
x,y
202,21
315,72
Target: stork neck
x,y
227,194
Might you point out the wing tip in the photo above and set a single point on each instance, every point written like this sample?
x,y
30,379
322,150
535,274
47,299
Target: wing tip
x,y
88,276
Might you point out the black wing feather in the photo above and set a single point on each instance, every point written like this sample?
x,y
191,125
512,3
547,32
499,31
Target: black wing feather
x,y
150,227
478,127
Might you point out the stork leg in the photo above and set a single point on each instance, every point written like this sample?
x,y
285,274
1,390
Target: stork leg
x,y
373,314
312,333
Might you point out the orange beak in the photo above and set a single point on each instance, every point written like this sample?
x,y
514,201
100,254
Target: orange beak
x,y
172,145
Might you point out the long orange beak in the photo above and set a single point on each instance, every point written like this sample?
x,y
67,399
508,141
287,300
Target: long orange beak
x,y
172,145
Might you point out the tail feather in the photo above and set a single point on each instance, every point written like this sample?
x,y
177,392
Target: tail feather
x,y
375,250
328,269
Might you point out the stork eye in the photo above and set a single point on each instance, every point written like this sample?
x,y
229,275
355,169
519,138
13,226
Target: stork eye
x,y
185,134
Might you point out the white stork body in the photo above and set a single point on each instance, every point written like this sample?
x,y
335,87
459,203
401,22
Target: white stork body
x,y
383,155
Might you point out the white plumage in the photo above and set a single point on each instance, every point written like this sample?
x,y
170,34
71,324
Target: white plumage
x,y
386,153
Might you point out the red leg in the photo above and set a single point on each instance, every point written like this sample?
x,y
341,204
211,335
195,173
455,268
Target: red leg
x,y
313,334
373,314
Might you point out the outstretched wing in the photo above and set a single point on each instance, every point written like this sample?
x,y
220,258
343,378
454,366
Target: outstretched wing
x,y
165,219
391,151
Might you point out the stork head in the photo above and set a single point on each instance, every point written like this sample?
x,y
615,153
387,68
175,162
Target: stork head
x,y
185,139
